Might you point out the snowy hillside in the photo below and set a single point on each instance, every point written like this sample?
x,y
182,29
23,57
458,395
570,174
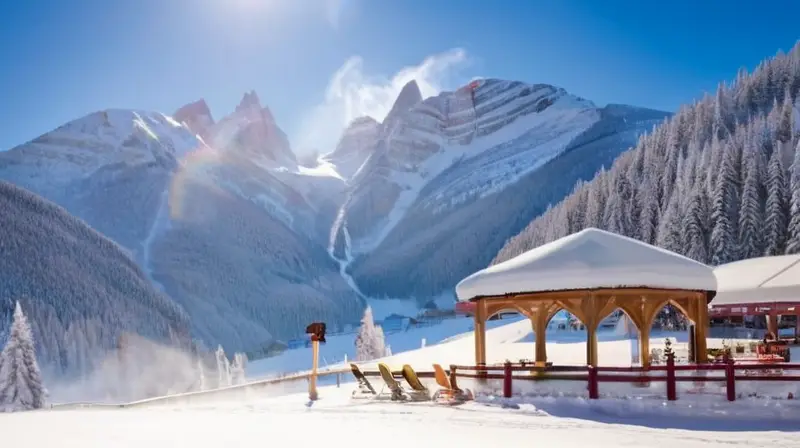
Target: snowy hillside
x,y
435,170
718,182
78,288
223,231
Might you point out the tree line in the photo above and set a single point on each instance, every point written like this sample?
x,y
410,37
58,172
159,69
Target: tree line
x,y
717,182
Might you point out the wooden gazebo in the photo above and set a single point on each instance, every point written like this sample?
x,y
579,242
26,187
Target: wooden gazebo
x,y
591,274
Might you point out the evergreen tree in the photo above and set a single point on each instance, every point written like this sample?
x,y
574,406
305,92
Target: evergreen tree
x,y
777,208
724,212
669,231
21,386
238,368
223,368
202,385
751,215
793,243
370,342
695,225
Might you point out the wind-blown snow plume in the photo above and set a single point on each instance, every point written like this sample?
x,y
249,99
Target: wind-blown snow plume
x,y
352,93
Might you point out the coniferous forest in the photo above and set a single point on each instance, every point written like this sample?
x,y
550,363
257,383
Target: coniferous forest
x,y
717,182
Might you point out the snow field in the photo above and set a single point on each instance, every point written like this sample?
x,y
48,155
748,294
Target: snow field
x,y
278,413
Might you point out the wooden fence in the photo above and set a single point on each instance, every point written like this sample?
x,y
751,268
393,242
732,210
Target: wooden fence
x,y
668,373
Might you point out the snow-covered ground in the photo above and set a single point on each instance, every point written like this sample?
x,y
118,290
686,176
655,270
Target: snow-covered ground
x,y
334,421
332,353
278,414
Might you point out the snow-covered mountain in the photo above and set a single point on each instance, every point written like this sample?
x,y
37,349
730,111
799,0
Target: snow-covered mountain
x,y
445,181
355,146
79,289
234,233
221,217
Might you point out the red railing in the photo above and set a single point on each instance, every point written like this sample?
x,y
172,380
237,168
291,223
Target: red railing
x,y
593,376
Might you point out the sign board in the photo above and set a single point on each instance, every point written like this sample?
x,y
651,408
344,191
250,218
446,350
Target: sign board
x,y
317,331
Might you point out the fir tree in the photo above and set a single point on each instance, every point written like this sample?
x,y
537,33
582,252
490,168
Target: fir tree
x,y
793,243
669,231
223,368
724,204
777,208
751,215
695,226
238,368
21,386
370,343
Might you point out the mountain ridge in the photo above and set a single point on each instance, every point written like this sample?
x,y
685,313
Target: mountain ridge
x,y
221,217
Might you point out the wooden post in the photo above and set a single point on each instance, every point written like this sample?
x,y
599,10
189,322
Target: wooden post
x,y
730,380
594,392
312,384
480,333
591,345
644,347
672,393
507,379
701,330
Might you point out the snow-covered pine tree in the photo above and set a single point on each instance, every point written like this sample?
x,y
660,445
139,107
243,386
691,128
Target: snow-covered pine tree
x,y
669,229
202,384
777,207
223,368
793,238
369,340
596,202
751,214
238,368
713,134
722,244
695,225
21,386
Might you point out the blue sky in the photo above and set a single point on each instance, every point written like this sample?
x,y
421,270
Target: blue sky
x,y
317,63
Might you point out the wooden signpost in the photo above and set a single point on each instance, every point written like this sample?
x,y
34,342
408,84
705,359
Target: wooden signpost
x,y
317,332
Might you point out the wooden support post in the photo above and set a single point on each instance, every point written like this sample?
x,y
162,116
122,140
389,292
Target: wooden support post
x,y
594,392
701,330
730,380
591,345
312,384
644,347
507,379
672,393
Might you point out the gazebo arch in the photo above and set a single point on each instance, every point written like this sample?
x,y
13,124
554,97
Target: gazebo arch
x,y
591,274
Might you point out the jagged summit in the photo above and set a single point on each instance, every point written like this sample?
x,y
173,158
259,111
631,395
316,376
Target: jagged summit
x,y
249,100
250,130
409,96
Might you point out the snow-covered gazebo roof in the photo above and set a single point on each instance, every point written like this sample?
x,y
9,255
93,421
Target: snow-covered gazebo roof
x,y
589,259
758,281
